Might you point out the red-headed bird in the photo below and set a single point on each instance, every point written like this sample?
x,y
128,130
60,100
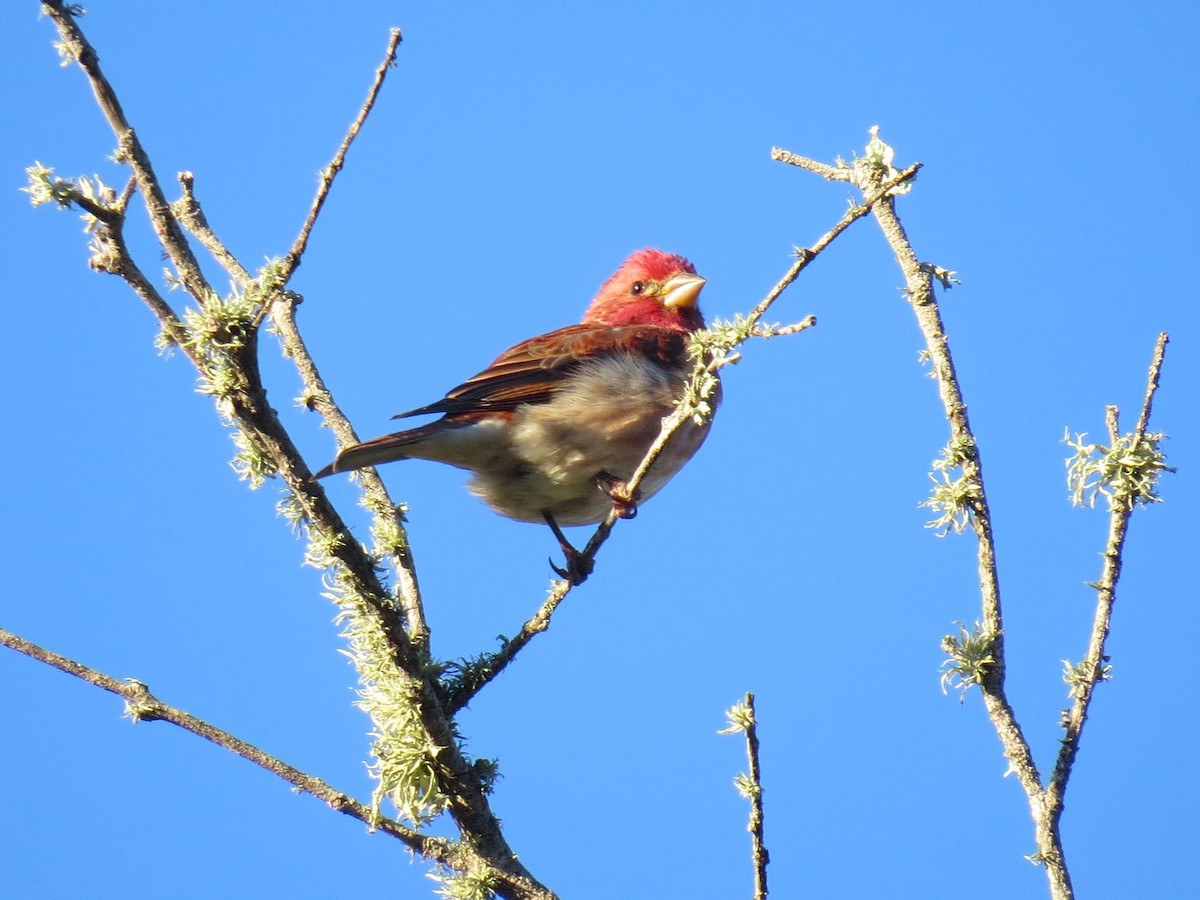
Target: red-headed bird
x,y
555,427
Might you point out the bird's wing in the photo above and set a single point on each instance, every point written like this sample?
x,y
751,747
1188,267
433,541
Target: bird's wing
x,y
532,371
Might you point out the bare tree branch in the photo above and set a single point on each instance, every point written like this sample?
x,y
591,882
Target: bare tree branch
x,y
826,171
986,663
759,853
292,260
743,718
281,306
228,362
919,283
131,151
142,706
1093,670
191,216
1160,350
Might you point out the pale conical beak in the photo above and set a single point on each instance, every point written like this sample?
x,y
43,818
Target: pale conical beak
x,y
682,291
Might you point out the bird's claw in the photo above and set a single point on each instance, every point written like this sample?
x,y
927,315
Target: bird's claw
x,y
624,500
625,510
579,567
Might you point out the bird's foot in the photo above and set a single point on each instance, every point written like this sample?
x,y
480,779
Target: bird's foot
x,y
624,500
579,565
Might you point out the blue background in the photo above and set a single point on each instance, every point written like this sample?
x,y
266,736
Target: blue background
x,y
518,153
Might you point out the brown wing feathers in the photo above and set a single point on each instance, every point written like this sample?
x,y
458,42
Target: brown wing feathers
x,y
530,371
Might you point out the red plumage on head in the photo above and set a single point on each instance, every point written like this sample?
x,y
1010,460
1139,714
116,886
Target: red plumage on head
x,y
656,264
629,298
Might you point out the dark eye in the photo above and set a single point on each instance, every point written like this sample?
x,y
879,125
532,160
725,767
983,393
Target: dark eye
x,y
639,288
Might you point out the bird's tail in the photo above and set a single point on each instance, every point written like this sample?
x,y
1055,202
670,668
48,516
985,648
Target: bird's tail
x,y
378,450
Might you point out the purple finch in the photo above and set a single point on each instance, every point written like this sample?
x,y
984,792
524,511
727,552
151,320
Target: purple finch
x,y
556,426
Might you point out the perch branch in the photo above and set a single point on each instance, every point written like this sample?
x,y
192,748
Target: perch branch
x,y
493,664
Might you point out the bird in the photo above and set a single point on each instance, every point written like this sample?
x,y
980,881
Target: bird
x,y
555,427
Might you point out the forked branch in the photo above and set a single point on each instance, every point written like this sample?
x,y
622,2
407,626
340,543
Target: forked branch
x,y
221,338
978,656
1088,674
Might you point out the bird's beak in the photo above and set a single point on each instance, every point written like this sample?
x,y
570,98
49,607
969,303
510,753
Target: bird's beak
x,y
683,290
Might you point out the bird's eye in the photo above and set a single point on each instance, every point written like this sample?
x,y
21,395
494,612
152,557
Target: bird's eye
x,y
639,288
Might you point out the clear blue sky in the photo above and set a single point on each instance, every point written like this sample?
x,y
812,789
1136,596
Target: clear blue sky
x,y
517,155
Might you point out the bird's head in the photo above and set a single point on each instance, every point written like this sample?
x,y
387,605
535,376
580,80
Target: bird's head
x,y
650,288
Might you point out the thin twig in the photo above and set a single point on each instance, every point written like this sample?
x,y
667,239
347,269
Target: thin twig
x,y
318,398
191,216
141,705
1112,422
317,394
484,671
919,283
921,296
292,260
826,171
114,257
281,307
1160,349
375,492
131,151
1093,666
743,718
758,848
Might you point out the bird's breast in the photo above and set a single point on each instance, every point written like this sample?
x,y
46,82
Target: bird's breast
x,y
602,420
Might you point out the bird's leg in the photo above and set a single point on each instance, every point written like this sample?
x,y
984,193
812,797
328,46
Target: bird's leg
x,y
624,500
579,567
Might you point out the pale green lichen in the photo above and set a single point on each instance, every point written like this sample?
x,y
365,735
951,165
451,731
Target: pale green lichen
x,y
740,717
1126,471
955,492
971,655
875,167
1078,676
474,884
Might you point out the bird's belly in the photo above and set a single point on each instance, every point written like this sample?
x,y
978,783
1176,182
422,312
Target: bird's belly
x,y
603,423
